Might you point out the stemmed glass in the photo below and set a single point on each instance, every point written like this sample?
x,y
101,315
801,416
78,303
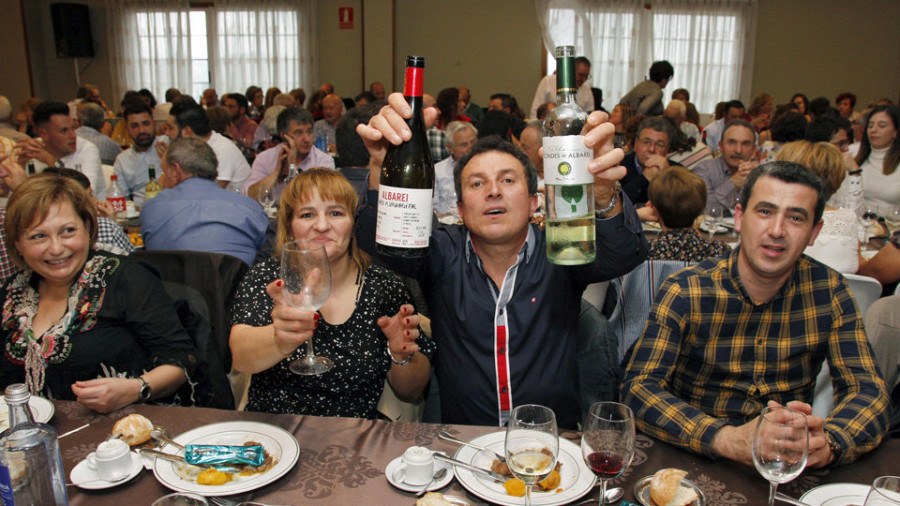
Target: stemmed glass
x,y
885,491
893,219
306,274
780,446
712,219
532,444
267,201
607,443
868,218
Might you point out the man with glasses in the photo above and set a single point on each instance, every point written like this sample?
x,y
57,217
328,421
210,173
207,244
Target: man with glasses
x,y
546,90
649,157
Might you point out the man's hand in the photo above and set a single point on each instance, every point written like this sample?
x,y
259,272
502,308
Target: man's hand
x,y
744,169
33,148
735,442
161,149
655,164
819,452
11,175
389,127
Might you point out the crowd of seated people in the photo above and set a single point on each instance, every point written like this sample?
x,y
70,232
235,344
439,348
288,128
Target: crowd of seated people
x,y
794,177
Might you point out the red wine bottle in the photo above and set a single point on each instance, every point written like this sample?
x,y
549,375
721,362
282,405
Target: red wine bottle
x,y
407,180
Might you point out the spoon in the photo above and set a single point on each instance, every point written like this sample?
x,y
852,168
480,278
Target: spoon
x,y
612,495
446,436
440,473
160,434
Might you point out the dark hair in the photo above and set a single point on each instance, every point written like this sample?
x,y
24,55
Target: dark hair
x,y
129,97
682,91
367,95
844,96
819,106
194,117
822,128
73,174
298,114
788,172
542,109
789,127
732,104
351,149
181,104
172,94
219,119
251,91
47,109
240,99
661,70
507,100
83,91
144,92
136,109
738,123
495,143
865,148
583,60
805,102
448,105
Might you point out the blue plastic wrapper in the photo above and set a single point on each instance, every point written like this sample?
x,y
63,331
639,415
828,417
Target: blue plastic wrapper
x,y
223,454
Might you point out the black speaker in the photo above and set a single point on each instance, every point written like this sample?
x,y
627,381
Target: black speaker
x,y
72,30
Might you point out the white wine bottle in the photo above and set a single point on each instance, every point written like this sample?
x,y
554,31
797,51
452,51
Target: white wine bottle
x,y
153,187
406,186
569,185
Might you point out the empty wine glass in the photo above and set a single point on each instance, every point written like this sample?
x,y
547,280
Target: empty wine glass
x,y
868,218
607,443
532,444
892,219
712,219
885,491
267,200
780,446
306,274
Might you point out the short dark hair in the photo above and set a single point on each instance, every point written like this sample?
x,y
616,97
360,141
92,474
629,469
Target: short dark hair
x,y
73,174
240,99
732,104
844,96
194,117
789,127
298,114
351,149
822,128
46,110
788,172
661,70
738,123
144,92
819,106
172,94
367,95
136,109
495,143
182,103
583,60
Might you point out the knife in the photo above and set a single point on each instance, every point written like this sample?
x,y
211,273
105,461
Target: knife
x,y
470,467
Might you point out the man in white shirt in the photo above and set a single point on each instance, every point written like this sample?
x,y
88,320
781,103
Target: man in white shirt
x,y
190,120
546,90
461,136
132,165
58,145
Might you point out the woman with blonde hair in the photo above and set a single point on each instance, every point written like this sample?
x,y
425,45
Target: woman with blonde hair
x,y
837,244
366,327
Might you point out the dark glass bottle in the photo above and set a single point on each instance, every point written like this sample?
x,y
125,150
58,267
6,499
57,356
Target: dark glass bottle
x,y
407,180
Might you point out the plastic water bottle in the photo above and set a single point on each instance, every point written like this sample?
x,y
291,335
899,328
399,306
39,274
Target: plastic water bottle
x,y
31,470
116,196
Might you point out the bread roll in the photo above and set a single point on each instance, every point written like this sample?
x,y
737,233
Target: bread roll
x,y
133,429
666,488
433,499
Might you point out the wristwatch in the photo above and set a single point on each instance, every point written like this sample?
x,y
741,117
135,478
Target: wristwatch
x,y
146,391
836,448
617,190
59,164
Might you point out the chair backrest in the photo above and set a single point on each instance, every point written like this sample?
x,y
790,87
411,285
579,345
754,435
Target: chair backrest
x,y
214,275
865,290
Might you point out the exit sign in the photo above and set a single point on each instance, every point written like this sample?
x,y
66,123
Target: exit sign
x,y
345,18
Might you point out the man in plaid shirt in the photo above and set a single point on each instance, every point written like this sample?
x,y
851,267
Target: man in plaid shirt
x,y
728,336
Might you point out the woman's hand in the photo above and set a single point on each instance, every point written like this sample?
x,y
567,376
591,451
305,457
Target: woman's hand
x,y
292,326
402,330
107,394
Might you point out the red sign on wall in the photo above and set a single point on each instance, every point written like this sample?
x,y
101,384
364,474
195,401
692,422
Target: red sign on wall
x,y
345,18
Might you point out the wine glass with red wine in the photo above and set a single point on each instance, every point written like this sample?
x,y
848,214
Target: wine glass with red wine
x,y
607,443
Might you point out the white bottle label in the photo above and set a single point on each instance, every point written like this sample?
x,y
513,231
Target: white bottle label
x,y
404,217
566,159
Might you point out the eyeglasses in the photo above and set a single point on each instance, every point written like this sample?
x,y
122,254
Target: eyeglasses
x,y
660,145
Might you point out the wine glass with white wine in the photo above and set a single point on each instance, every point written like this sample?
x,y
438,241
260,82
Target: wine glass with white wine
x,y
780,446
532,444
306,274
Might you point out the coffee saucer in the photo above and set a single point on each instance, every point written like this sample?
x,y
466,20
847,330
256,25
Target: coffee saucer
x,y
83,476
392,468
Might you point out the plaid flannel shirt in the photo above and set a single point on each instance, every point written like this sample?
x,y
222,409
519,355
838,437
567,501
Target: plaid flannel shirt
x,y
437,141
710,357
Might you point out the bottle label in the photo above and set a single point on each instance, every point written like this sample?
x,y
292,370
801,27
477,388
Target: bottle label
x,y
565,161
6,488
118,203
404,217
413,82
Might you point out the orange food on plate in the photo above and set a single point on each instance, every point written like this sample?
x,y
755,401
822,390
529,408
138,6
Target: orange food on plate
x,y
515,487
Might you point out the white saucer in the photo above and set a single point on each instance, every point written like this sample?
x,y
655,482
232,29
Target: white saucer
x,y
85,477
395,464
851,493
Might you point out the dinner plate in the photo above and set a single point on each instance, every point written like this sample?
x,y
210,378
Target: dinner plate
x,y
576,478
836,493
642,492
41,409
84,477
281,444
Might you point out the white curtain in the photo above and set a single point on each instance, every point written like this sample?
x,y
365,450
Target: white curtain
x,y
150,45
709,42
264,43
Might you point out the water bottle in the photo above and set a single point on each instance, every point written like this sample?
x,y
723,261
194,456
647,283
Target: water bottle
x,y
31,470
116,196
322,143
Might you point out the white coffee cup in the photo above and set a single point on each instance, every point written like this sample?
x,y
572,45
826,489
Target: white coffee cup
x,y
416,467
130,210
112,460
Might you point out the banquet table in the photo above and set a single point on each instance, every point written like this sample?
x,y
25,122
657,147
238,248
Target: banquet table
x,y
342,460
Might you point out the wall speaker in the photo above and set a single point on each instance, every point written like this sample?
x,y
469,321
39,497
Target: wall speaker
x,y
72,30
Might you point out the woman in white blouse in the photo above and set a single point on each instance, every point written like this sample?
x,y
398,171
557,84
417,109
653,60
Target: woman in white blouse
x,y
879,158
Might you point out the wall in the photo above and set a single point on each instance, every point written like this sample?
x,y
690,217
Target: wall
x,y
339,50
14,70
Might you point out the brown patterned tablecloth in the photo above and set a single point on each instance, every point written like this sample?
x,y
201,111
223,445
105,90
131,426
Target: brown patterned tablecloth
x,y
342,460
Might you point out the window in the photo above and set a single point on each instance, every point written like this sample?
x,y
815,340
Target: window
x,y
706,42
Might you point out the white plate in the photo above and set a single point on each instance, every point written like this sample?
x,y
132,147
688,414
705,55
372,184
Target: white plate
x,y
391,469
281,444
852,493
41,409
576,478
85,477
